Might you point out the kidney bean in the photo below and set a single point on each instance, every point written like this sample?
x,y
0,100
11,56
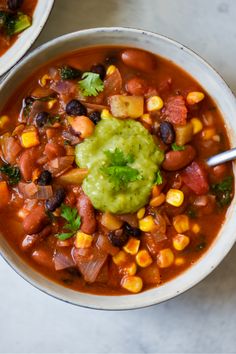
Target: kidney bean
x,y
43,257
175,160
87,214
35,221
53,150
167,133
30,240
28,163
136,86
139,59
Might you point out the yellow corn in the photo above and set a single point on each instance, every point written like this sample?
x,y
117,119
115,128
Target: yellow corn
x,y
195,97
111,69
143,258
132,246
147,224
175,197
179,261
197,125
83,240
180,242
154,103
165,258
4,120
52,103
30,138
208,133
120,258
105,114
111,222
157,201
44,79
181,223
146,118
141,213
132,283
130,269
195,228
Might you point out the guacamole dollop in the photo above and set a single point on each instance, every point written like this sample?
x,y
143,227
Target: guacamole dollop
x,y
140,161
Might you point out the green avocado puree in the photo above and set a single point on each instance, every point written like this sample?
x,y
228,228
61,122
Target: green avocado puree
x,y
130,137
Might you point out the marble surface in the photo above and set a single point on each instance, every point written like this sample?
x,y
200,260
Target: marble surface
x,y
203,320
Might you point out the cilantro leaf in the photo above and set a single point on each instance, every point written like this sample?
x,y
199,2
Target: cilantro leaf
x,y
176,147
91,84
223,191
120,176
12,172
159,178
73,221
117,157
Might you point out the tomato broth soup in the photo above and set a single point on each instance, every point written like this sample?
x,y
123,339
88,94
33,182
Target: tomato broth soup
x,y
103,182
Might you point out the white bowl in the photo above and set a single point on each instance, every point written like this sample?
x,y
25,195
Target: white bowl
x,y
225,101
26,38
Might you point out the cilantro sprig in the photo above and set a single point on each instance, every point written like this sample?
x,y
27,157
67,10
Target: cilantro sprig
x,y
91,84
223,191
176,147
12,172
73,222
159,178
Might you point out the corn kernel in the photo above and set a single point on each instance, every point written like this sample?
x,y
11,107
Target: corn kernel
x,y
197,125
44,79
83,240
132,246
195,97
141,213
195,228
156,190
111,69
146,118
154,103
180,242
179,261
143,258
120,258
157,201
132,283
165,258
111,222
4,120
105,114
52,103
175,197
181,223
35,174
30,138
208,133
147,224
129,269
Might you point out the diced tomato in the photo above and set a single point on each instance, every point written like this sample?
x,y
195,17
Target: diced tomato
x,y
175,110
195,177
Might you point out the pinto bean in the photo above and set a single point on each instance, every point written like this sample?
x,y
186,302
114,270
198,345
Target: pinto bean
x,y
86,211
136,86
53,150
175,160
139,59
35,221
28,162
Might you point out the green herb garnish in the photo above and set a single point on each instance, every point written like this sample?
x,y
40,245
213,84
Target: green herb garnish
x,y
176,147
69,73
223,191
159,178
118,170
73,222
12,172
91,84
14,23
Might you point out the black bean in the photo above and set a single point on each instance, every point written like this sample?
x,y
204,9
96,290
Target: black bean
x,y
56,200
14,4
75,108
95,117
100,70
167,133
132,231
111,60
45,178
42,119
118,238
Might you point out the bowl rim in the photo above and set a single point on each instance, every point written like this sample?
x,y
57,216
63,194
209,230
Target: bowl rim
x,y
28,40
209,268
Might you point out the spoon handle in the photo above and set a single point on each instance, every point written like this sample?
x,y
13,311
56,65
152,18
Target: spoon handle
x,y
225,156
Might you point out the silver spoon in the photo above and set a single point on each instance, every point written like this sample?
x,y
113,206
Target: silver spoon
x,y
225,156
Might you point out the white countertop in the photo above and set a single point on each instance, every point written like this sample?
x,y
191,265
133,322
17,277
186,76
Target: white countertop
x,y
203,320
